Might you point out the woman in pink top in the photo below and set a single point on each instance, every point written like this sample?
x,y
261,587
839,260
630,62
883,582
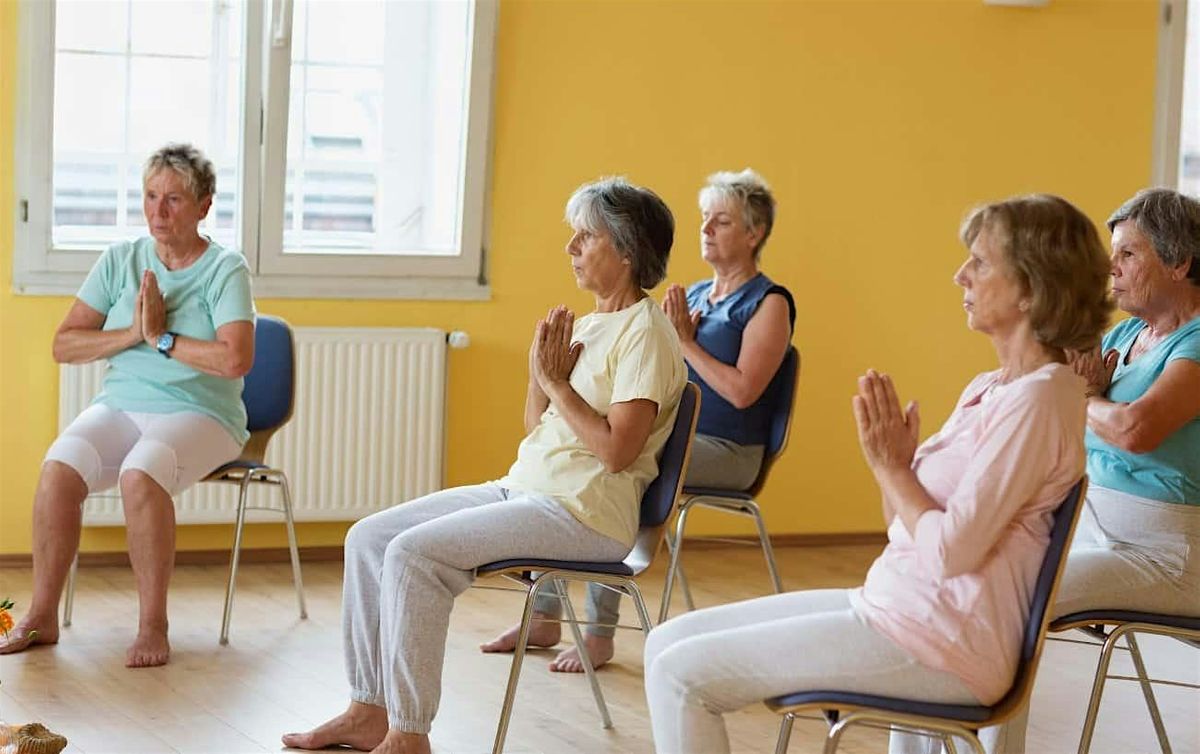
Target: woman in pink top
x,y
969,511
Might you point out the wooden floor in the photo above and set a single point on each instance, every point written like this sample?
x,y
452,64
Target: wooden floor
x,y
280,674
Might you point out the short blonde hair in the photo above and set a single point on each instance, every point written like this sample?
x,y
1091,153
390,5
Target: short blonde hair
x,y
190,163
751,192
1057,257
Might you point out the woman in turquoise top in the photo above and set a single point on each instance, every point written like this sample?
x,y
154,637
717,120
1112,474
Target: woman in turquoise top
x,y
734,329
173,315
1137,544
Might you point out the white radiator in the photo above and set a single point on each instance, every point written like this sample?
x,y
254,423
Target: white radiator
x,y
368,429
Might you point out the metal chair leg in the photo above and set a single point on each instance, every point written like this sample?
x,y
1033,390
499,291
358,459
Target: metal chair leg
x,y
514,673
785,733
293,549
1148,692
1093,708
69,597
765,540
586,661
233,559
673,566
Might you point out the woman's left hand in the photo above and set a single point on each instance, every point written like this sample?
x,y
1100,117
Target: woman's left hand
x,y
154,309
1097,370
554,355
887,434
675,306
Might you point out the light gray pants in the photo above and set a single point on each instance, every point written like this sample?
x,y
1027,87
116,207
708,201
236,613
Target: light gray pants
x,y
716,462
404,567
1129,553
705,663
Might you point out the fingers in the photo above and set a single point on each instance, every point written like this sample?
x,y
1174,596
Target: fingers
x,y
860,414
912,417
892,401
884,407
695,317
866,398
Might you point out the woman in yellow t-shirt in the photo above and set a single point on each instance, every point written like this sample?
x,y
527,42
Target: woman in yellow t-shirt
x,y
603,392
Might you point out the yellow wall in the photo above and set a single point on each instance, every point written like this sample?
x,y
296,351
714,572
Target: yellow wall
x,y
878,124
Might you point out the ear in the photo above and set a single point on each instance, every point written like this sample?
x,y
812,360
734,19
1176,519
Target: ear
x,y
205,206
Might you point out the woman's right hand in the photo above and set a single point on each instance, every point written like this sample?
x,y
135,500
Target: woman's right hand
x,y
135,327
1097,370
888,435
675,306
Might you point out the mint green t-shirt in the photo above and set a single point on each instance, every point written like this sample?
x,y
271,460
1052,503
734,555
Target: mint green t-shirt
x,y
213,291
1171,472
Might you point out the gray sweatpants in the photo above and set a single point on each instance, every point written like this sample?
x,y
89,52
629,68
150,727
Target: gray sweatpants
x,y
716,462
1129,553
705,663
404,567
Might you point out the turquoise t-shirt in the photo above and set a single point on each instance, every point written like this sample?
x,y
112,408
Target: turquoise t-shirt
x,y
1171,472
213,291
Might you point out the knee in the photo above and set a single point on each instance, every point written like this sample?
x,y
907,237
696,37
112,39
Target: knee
x,y
139,489
61,482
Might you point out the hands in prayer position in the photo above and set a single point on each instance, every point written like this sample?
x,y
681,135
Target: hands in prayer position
x,y
552,355
888,436
1097,370
150,317
675,306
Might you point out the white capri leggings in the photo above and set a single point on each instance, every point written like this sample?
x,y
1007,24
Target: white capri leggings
x,y
175,450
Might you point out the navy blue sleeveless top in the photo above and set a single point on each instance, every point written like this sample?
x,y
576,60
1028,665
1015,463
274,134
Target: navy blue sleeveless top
x,y
720,334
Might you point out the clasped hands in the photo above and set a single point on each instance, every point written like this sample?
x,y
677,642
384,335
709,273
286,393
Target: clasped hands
x,y
552,355
149,310
887,434
675,306
1096,369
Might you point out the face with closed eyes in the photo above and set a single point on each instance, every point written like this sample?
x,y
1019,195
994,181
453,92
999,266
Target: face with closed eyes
x,y
724,235
992,296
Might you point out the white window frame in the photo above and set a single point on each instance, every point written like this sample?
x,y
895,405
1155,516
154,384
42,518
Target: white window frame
x,y
1168,100
41,269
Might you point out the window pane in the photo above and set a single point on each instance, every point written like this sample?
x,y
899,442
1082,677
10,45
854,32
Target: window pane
x,y
376,127
130,77
1189,136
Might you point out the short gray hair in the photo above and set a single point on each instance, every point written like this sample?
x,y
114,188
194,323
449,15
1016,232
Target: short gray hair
x,y
751,193
639,223
190,163
1171,221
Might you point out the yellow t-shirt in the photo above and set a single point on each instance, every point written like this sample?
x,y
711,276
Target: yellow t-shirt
x,y
630,354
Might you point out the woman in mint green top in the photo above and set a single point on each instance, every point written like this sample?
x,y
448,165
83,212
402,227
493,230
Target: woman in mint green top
x,y
173,316
1137,544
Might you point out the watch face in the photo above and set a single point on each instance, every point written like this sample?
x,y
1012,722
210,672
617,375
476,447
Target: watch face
x,y
165,341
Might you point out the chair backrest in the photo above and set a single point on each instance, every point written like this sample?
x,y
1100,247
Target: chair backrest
x,y
658,502
269,389
1044,591
784,386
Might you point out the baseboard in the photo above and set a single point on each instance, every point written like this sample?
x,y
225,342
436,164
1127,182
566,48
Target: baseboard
x,y
334,552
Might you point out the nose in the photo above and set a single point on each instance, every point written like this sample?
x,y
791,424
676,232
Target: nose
x,y
960,276
572,246
706,227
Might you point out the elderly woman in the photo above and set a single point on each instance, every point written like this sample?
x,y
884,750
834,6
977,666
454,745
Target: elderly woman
x,y
968,512
1137,546
603,392
173,315
734,329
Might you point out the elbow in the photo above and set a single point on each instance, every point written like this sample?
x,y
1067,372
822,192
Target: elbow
x,y
59,353
236,367
615,462
1136,436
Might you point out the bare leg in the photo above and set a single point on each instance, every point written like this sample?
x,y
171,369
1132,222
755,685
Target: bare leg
x,y
599,648
150,533
545,632
398,742
361,726
57,515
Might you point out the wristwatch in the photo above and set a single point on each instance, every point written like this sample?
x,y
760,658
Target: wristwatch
x,y
165,343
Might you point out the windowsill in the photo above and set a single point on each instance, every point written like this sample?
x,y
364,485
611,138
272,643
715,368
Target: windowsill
x,y
27,283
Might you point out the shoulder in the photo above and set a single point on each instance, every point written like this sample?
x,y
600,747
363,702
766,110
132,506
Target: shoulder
x,y
648,326
699,288
1122,332
228,260
1053,390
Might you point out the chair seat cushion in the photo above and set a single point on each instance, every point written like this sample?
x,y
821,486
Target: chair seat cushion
x,y
1126,616
527,564
240,464
714,492
966,713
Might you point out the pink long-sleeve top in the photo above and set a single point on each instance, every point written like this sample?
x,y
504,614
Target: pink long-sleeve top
x,y
956,593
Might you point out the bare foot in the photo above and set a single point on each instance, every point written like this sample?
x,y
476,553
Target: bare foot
x,y
149,649
30,631
545,631
361,726
600,651
397,742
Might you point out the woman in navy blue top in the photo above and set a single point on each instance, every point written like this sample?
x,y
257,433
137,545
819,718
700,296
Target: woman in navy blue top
x,y
735,330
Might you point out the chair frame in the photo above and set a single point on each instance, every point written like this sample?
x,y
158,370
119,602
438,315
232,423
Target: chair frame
x,y
742,506
535,576
1125,625
937,726
249,468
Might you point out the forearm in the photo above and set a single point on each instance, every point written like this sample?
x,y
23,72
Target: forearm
x,y
904,495
536,404
589,426
80,346
1116,423
210,356
727,380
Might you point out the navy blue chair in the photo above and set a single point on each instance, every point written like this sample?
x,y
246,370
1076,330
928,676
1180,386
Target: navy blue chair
x,y
1126,624
782,388
658,503
268,393
947,720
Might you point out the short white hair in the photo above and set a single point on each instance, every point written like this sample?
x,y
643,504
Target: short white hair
x,y
747,190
